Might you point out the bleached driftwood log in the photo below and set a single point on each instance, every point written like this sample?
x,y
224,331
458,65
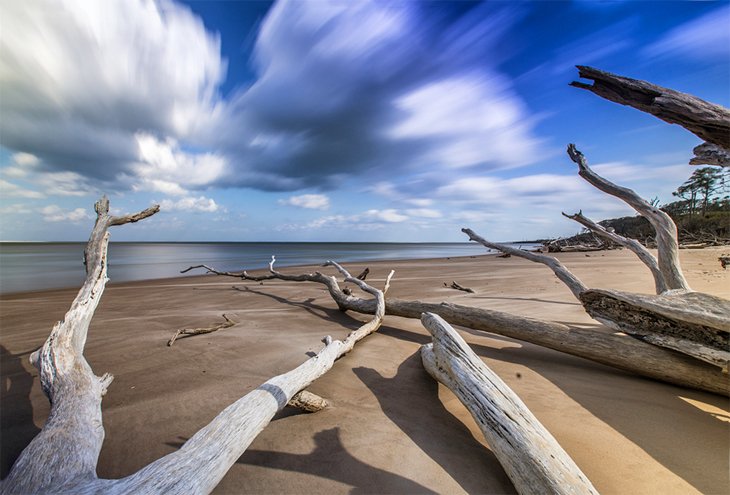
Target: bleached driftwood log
x,y
595,344
62,458
201,331
529,454
690,322
708,121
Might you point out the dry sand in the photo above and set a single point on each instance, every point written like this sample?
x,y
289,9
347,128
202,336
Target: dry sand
x,y
392,429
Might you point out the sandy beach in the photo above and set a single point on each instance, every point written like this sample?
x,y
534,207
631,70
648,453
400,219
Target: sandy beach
x,y
391,429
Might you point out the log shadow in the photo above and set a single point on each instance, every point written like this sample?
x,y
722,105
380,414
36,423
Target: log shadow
x,y
16,415
308,305
331,460
655,416
410,400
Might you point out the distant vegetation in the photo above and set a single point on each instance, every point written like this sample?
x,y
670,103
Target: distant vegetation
x,y
701,212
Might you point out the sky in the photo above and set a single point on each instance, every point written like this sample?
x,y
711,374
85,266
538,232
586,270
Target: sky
x,y
338,120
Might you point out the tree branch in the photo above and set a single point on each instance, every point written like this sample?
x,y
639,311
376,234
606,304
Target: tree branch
x,y
565,276
706,120
643,254
667,244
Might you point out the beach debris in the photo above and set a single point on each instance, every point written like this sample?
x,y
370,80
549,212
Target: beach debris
x,y
347,291
724,261
678,318
63,457
308,402
457,286
608,348
504,255
529,454
363,275
200,331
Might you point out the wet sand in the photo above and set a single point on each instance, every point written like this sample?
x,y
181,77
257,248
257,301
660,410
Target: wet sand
x,y
391,429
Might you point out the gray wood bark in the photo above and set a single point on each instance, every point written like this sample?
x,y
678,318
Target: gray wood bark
x,y
666,230
708,121
529,454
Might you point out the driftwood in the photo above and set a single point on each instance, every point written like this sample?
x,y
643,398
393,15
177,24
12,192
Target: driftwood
x,y
724,261
595,344
708,121
529,454
456,286
62,458
690,322
200,331
364,274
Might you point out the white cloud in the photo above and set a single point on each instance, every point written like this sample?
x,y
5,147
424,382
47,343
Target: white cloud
x,y
389,216
81,77
8,189
420,202
475,118
53,213
164,167
64,184
706,37
15,209
310,201
190,204
424,213
25,159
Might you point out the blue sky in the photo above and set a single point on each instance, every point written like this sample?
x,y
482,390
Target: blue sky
x,y
338,121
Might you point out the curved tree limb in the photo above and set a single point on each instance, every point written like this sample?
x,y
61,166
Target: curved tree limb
x,y
666,230
710,154
643,254
706,120
612,349
573,283
68,446
62,458
530,455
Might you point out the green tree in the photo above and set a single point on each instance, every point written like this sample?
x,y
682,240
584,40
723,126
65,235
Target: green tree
x,y
700,188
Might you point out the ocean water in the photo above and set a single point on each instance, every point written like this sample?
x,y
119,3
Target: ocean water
x,y
39,266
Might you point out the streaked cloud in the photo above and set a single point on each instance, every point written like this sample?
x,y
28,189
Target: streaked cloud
x,y
53,213
9,189
706,37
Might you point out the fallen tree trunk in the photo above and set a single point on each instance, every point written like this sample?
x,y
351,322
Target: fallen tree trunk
x,y
598,345
62,458
529,454
708,121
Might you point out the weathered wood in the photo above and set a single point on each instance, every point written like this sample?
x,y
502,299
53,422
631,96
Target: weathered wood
x,y
529,454
62,458
596,344
694,323
710,154
308,402
666,230
454,285
201,331
706,120
573,283
635,246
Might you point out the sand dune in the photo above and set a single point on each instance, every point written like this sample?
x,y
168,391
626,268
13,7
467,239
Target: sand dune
x,y
392,429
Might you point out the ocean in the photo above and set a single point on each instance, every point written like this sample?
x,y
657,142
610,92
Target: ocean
x,y
40,266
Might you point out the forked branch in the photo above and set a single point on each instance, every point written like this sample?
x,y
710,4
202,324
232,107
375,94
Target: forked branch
x,y
641,252
666,230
